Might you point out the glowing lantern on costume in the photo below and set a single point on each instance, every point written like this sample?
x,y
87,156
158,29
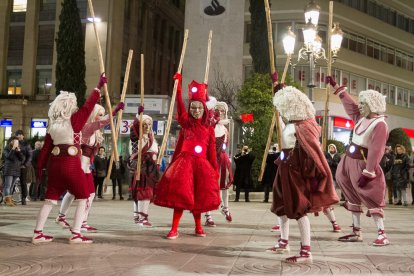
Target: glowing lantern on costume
x,y
282,155
347,124
352,149
198,149
194,89
246,117
224,147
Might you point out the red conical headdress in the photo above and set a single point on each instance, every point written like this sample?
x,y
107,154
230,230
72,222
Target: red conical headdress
x,y
197,92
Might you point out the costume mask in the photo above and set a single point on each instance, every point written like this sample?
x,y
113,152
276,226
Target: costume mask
x,y
196,109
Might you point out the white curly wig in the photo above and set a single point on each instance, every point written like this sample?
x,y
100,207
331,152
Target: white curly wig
x,y
96,109
211,103
293,105
374,99
145,117
64,105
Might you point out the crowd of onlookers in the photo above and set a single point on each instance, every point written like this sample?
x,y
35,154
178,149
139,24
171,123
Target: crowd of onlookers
x,y
19,162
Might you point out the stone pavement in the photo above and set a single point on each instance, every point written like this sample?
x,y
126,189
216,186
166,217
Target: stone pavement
x,y
122,248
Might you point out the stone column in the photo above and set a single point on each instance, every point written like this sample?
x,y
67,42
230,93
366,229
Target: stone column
x,y
5,11
30,48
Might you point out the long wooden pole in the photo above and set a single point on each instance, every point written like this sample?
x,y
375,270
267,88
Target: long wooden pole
x,y
120,113
210,37
174,94
139,160
102,68
274,121
328,87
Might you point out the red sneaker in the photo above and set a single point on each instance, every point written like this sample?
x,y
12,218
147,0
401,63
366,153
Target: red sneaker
x,y
281,247
304,257
355,236
200,232
39,237
172,235
209,222
61,220
336,227
77,238
275,228
89,229
382,239
226,213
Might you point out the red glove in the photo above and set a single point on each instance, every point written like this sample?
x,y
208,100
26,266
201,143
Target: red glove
x,y
102,81
140,109
274,77
363,181
119,106
314,184
179,77
330,80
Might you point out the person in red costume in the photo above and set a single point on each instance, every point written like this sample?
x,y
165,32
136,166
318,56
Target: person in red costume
x,y
62,147
191,180
303,182
220,122
91,139
359,173
143,190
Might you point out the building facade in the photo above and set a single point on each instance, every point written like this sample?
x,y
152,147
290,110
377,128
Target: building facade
x,y
28,29
377,53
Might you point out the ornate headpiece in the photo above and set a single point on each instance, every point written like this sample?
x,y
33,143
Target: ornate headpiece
x,y
197,92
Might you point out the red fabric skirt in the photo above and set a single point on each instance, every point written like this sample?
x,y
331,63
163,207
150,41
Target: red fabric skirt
x,y
65,173
189,183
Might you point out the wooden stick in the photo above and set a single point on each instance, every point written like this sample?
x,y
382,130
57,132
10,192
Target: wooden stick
x,y
274,122
210,36
328,87
140,122
171,110
272,71
102,68
120,113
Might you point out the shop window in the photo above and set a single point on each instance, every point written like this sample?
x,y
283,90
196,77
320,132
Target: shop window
x,y
14,81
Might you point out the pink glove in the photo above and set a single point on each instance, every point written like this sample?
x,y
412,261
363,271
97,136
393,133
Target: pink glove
x,y
140,109
330,80
102,81
274,77
363,181
119,106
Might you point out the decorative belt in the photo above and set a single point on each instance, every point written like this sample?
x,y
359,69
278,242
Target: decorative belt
x,y
66,150
357,152
87,150
194,148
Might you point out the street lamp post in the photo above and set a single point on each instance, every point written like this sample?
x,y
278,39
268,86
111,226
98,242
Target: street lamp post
x,y
312,49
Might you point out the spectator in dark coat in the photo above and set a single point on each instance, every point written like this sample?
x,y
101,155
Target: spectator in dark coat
x,y
116,176
270,171
386,164
243,175
26,164
100,163
399,174
13,159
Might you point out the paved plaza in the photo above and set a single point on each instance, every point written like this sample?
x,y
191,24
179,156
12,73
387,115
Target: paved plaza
x,y
123,248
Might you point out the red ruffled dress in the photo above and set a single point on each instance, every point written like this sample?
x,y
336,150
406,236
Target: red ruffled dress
x,y
191,180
